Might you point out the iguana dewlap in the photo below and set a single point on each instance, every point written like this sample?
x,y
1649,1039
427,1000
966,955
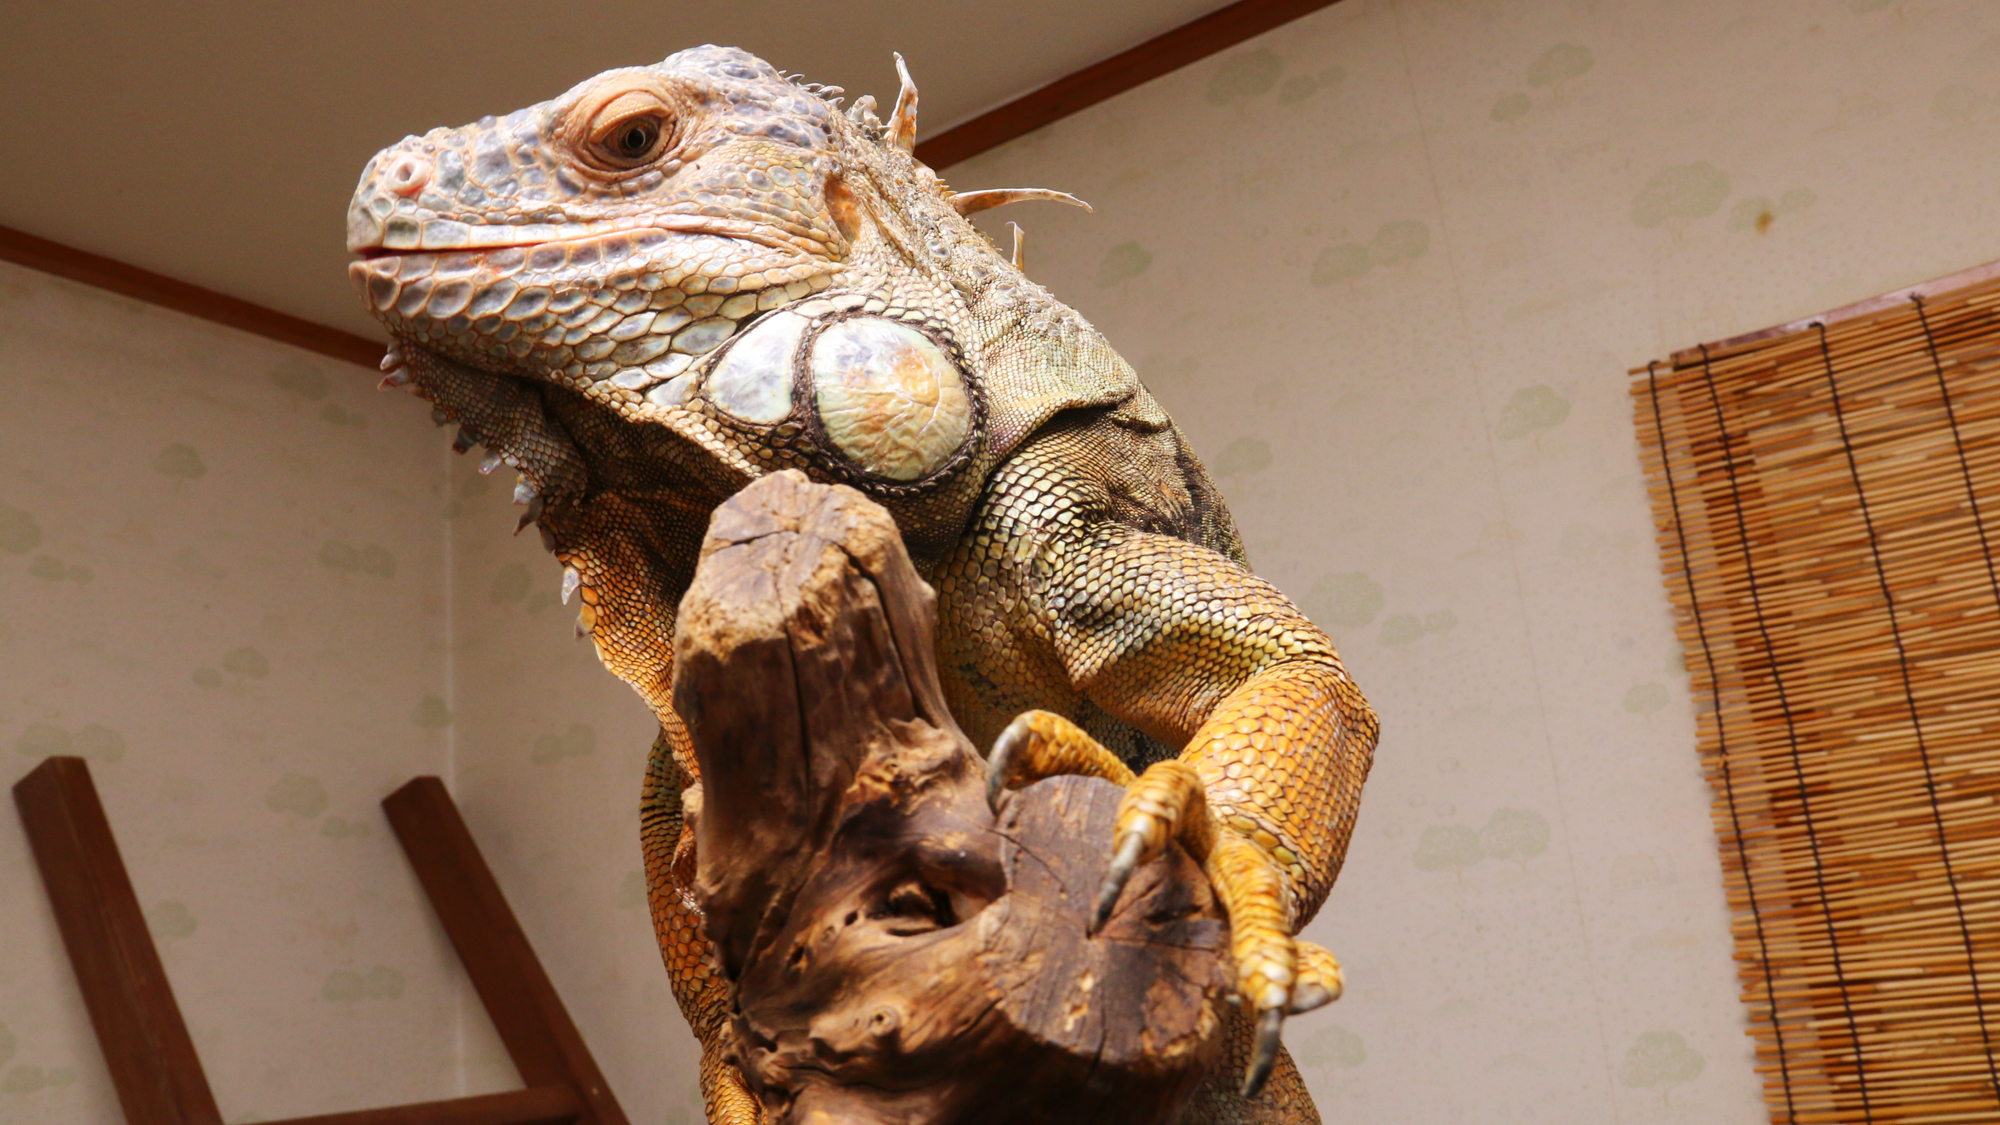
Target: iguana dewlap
x,y
676,278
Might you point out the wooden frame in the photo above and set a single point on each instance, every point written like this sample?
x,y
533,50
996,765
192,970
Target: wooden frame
x,y
1191,42
146,1045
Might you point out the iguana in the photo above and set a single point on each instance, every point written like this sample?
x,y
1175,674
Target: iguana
x,y
674,279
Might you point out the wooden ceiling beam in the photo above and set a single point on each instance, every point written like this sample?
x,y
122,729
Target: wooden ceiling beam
x,y
1101,81
26,249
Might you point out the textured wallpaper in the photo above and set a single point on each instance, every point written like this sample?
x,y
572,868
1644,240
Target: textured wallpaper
x,y
222,571
1387,266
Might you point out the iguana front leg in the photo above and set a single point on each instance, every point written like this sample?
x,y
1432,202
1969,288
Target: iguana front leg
x,y
1173,803
1194,650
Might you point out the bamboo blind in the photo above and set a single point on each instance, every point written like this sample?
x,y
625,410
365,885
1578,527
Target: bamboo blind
x,y
1828,501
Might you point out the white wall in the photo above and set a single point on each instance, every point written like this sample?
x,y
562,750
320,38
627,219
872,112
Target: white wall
x,y
1388,267
258,597
222,582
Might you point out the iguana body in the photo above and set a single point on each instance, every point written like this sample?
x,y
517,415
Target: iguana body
x,y
674,279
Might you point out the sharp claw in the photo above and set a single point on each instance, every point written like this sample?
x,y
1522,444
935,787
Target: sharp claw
x,y
533,513
1122,866
392,359
400,377
1264,1056
1004,747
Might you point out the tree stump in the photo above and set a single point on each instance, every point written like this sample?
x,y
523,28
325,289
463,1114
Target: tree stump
x,y
897,952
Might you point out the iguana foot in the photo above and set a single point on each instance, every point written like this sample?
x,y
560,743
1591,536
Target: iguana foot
x,y
1039,744
1276,975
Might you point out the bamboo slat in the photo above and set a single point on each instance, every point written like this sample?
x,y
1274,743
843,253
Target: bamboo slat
x,y
1826,500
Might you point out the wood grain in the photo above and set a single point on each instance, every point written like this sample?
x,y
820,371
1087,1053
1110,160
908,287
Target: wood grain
x,y
534,1026
898,952
146,1045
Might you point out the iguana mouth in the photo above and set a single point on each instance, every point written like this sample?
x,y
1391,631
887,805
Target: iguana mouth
x,y
404,235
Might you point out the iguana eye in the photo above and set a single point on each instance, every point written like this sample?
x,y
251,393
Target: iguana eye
x,y
632,141
627,130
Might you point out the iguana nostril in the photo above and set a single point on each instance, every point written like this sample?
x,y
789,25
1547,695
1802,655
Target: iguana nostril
x,y
408,175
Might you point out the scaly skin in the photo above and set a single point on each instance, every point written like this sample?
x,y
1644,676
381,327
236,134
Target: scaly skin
x,y
674,279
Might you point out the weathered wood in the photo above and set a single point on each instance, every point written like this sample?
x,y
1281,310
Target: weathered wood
x,y
898,953
529,1015
146,1045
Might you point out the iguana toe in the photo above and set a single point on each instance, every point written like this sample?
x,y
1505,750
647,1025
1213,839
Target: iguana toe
x,y
1039,744
1168,801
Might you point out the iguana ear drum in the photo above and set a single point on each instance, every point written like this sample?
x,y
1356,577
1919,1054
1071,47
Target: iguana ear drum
x,y
888,396
754,379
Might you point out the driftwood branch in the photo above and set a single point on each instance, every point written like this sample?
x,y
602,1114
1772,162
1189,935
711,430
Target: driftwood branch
x,y
899,953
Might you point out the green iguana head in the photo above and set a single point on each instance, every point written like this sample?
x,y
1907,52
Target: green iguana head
x,y
710,247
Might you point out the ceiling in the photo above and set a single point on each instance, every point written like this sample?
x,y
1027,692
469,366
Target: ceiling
x,y
217,142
